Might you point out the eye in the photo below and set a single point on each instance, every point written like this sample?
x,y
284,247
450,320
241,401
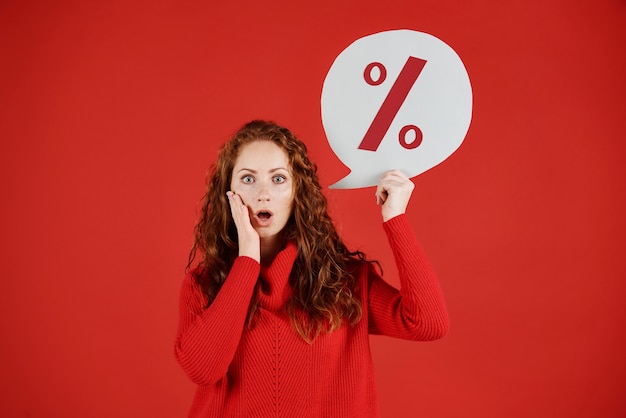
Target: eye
x,y
279,179
247,179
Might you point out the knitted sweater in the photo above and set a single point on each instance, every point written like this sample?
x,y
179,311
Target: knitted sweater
x,y
268,370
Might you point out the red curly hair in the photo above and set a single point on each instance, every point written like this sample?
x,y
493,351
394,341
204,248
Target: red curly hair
x,y
322,274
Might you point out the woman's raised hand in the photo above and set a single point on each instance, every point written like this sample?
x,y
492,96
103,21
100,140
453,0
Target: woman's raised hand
x,y
393,193
249,242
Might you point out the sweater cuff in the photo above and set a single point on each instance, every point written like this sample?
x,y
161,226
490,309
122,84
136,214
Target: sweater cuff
x,y
397,222
245,266
399,231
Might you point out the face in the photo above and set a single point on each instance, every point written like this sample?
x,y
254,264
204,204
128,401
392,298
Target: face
x,y
262,177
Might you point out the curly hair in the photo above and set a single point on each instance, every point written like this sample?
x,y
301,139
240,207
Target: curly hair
x,y
323,273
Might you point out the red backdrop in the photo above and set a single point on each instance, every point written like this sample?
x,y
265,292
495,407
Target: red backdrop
x,y
113,110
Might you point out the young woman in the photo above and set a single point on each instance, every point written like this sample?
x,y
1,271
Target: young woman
x,y
275,312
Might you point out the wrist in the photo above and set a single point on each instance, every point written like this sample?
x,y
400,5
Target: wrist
x,y
391,214
250,250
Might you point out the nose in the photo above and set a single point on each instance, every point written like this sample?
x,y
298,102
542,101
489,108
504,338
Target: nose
x,y
264,193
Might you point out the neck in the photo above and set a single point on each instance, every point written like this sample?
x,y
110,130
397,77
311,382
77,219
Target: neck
x,y
270,246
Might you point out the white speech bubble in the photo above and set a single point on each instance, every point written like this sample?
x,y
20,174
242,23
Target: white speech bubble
x,y
372,127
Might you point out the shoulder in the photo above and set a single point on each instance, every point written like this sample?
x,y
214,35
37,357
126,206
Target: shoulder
x,y
193,278
191,292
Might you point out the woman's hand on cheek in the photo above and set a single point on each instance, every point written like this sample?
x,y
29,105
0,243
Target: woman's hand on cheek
x,y
393,193
248,238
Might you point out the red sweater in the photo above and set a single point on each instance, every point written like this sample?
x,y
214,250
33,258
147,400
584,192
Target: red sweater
x,y
269,370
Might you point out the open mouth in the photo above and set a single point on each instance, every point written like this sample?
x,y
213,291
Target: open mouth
x,y
264,215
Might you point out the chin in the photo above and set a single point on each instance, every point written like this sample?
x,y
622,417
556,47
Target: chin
x,y
270,233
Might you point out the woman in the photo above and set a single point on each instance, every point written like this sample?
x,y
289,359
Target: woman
x,y
275,314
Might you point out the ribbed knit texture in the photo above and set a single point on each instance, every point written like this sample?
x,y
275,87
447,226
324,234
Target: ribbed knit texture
x,y
268,370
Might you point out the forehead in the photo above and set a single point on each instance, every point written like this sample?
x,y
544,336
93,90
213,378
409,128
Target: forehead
x,y
261,154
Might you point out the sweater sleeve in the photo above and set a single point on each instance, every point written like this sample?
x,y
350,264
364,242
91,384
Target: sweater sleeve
x,y
207,338
417,311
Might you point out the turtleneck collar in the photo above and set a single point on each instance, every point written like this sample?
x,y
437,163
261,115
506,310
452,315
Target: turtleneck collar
x,y
275,289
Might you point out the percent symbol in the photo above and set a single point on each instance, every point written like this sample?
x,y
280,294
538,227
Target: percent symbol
x,y
392,103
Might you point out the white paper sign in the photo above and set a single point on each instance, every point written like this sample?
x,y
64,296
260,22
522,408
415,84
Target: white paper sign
x,y
397,99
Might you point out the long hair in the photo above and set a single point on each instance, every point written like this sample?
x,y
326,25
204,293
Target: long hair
x,y
323,273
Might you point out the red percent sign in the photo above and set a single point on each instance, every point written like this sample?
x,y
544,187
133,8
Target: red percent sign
x,y
390,107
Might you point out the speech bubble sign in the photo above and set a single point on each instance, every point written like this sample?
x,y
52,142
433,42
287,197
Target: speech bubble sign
x,y
396,99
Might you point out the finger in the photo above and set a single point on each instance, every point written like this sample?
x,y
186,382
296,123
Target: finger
x,y
232,202
394,177
396,180
389,176
381,194
387,183
381,197
236,200
238,209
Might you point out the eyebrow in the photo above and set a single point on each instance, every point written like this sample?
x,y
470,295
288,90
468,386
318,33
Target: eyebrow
x,y
255,172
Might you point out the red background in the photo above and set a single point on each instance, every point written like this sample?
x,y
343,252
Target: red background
x,y
113,110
